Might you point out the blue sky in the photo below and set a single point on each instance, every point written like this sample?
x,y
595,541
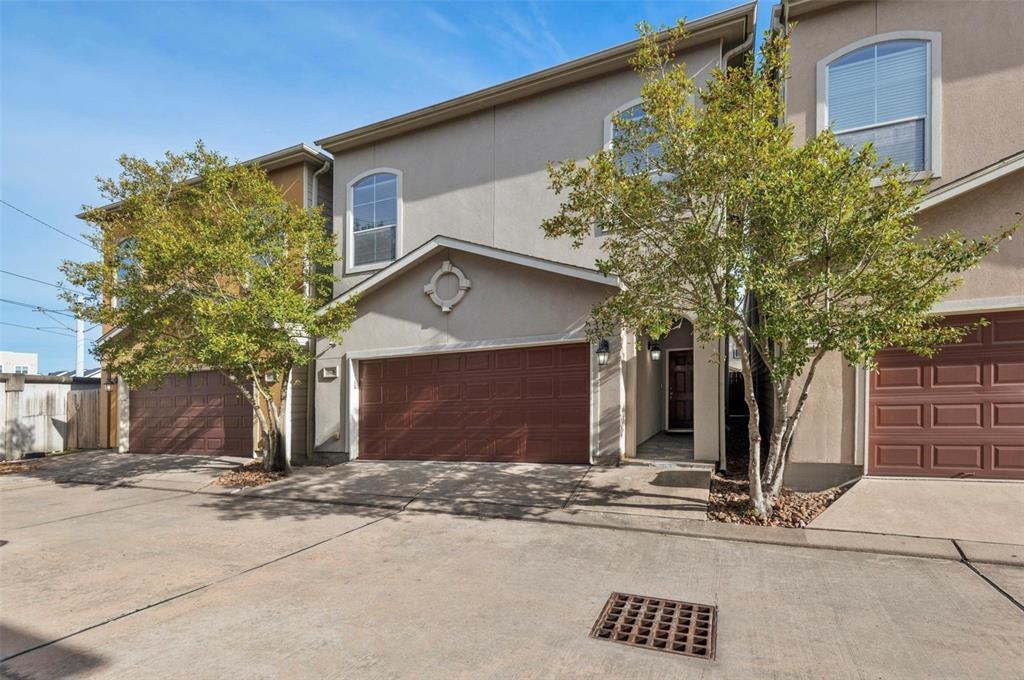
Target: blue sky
x,y
85,82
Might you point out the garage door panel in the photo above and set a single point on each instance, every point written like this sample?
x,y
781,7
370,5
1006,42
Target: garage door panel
x,y
963,417
1009,373
958,456
199,413
1008,414
1009,458
530,404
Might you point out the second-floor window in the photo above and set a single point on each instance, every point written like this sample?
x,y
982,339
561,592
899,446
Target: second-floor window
x,y
881,93
374,219
23,370
632,161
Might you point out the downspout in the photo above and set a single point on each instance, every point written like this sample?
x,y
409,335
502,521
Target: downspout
x,y
311,367
742,47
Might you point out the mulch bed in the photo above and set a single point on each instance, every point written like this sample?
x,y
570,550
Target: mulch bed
x,y
11,467
730,502
248,475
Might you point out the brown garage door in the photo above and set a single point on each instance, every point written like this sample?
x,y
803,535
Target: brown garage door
x,y
959,414
198,413
527,405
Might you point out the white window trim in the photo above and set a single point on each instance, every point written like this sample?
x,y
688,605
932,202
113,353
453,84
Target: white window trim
x,y
933,145
609,119
374,266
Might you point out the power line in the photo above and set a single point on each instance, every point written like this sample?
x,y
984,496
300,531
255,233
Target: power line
x,y
36,328
46,224
36,308
45,283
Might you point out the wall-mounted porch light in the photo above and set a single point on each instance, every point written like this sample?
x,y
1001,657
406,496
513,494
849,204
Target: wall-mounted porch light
x,y
108,385
655,350
602,352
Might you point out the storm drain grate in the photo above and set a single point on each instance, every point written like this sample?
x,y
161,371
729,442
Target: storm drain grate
x,y
660,624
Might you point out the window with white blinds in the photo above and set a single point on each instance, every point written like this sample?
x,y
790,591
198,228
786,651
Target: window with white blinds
x,y
880,94
373,220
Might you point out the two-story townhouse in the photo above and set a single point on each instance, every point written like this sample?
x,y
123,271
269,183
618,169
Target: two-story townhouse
x,y
469,342
202,412
940,86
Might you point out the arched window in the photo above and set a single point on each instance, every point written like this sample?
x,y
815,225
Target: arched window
x,y
882,92
374,219
633,112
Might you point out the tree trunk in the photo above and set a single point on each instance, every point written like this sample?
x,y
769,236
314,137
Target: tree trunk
x,y
757,500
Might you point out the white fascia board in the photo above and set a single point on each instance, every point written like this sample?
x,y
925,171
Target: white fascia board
x,y
972,182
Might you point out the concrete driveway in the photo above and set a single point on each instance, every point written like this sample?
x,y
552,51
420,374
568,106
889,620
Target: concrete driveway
x,y
974,510
105,580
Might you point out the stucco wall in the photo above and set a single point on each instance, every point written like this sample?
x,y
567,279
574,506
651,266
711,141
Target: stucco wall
x,y
483,177
506,302
982,70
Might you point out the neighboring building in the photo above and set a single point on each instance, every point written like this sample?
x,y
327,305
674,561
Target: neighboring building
x,y
939,85
469,342
24,363
201,412
89,373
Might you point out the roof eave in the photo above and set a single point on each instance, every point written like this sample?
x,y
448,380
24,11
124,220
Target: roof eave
x,y
740,19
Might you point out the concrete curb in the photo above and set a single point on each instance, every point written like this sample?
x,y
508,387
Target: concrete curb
x,y
993,553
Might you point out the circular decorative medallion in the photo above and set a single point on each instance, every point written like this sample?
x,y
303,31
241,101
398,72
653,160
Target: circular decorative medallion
x,y
447,269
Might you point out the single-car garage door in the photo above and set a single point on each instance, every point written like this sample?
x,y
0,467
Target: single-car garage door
x,y
959,414
197,413
525,405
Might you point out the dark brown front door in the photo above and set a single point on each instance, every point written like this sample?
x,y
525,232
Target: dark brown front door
x,y
958,414
680,390
525,405
197,413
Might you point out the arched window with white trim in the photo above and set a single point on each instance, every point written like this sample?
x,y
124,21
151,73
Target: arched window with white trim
x,y
882,90
633,112
374,220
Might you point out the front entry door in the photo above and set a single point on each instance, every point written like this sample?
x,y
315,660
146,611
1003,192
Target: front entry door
x,y
680,390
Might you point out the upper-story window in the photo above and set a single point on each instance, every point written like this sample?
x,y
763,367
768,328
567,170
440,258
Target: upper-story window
x,y
126,262
23,370
883,90
374,220
631,113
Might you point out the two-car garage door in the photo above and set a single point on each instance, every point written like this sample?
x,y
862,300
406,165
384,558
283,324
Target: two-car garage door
x,y
525,404
959,414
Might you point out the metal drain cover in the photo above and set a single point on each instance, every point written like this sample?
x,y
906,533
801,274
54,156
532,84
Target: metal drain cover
x,y
659,624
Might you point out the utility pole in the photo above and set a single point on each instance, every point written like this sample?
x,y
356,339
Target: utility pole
x,y
79,346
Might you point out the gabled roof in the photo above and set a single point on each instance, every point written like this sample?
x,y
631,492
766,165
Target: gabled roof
x,y
976,179
444,242
269,162
733,26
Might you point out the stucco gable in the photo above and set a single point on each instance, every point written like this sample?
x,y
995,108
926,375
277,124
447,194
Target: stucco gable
x,y
439,243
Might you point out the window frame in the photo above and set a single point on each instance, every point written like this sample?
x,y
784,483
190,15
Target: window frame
x,y
933,126
351,268
18,371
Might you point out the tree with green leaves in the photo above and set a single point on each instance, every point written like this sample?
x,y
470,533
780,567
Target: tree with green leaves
x,y
205,266
709,208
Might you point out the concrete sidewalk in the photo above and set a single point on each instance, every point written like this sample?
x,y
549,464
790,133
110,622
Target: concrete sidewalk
x,y
969,510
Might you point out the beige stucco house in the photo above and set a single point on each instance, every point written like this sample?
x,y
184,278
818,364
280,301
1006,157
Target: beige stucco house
x,y
469,342
939,85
